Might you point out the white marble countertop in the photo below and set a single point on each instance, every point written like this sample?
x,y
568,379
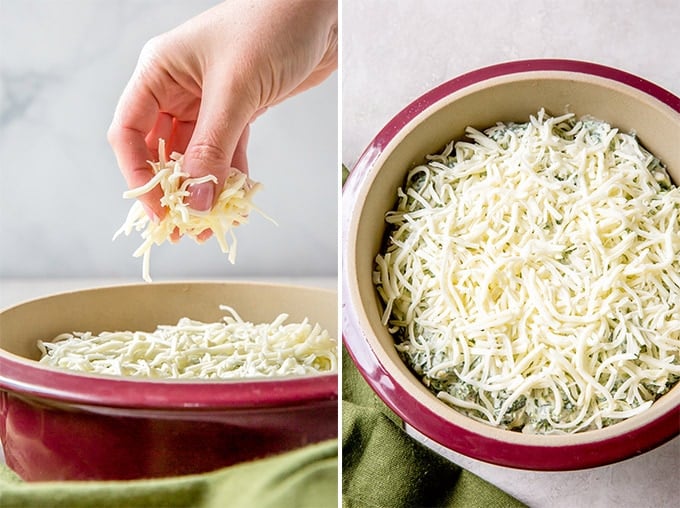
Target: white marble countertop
x,y
392,52
648,480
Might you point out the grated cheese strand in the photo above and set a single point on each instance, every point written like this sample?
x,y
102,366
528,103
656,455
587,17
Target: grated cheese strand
x,y
233,207
232,348
531,276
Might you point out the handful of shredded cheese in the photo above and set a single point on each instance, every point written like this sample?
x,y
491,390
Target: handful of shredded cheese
x,y
233,207
531,276
192,349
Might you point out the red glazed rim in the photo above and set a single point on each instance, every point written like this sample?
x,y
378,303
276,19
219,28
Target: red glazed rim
x,y
558,456
24,377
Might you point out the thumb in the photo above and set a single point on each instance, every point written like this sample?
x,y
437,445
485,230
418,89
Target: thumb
x,y
222,118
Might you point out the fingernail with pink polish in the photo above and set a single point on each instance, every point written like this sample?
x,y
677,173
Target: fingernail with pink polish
x,y
201,196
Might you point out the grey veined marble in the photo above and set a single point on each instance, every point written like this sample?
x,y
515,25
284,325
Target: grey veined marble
x,y
63,66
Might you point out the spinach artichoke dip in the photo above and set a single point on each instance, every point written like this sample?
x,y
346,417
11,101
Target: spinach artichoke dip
x,y
228,349
531,275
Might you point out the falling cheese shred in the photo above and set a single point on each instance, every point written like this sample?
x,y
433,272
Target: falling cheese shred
x,y
531,275
232,208
232,348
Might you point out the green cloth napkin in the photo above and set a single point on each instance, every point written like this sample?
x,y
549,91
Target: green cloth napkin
x,y
307,477
383,467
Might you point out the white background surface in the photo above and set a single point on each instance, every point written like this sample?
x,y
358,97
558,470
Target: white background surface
x,y
392,52
63,65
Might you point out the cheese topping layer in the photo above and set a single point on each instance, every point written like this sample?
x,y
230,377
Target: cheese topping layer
x,y
191,349
232,208
531,276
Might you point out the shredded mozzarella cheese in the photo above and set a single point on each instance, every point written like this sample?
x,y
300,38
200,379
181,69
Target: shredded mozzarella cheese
x,y
232,208
192,349
531,276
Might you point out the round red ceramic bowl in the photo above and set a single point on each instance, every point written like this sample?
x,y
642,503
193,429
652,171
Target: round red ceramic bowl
x,y
505,92
56,424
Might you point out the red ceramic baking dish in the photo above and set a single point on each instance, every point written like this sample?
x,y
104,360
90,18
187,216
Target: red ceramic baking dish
x,y
505,92
57,424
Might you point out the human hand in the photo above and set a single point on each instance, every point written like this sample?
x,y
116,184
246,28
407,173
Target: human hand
x,y
200,85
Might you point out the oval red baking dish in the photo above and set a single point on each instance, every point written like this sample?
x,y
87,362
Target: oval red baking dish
x,y
59,424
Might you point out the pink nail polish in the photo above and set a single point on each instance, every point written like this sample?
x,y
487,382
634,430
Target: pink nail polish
x,y
201,196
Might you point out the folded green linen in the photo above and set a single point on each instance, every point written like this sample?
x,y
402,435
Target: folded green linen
x,y
305,478
383,467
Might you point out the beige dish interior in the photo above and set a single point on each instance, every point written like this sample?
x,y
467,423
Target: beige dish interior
x,y
144,306
508,98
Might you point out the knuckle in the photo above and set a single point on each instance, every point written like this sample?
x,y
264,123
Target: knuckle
x,y
153,48
152,57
